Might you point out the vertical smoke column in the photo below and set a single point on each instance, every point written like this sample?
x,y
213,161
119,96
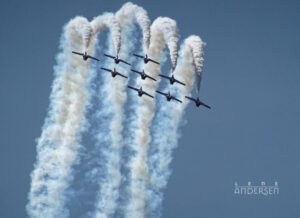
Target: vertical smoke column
x,y
163,31
114,94
169,119
59,142
113,97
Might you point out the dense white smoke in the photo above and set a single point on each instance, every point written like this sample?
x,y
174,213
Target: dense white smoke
x,y
150,153
114,94
168,121
163,31
60,139
168,29
128,13
108,20
196,45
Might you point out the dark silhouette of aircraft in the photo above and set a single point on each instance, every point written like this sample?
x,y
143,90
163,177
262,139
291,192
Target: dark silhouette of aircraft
x,y
143,75
172,79
140,91
85,56
114,73
198,102
168,96
146,59
117,59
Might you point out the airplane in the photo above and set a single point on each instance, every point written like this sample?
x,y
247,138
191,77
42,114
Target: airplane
x,y
172,79
143,74
198,102
85,56
140,91
146,59
114,73
117,59
168,96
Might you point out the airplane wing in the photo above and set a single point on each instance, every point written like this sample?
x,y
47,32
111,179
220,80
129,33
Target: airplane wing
x,y
133,88
93,58
148,94
176,99
109,56
164,76
120,74
179,82
74,52
106,69
150,77
161,93
124,62
154,61
205,105
139,56
190,98
136,71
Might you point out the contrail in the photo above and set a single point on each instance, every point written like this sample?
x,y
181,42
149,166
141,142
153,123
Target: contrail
x,y
130,12
196,46
168,121
113,93
149,153
59,142
106,21
163,31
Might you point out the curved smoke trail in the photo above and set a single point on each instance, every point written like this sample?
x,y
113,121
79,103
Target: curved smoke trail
x,y
196,45
169,119
60,139
105,21
130,11
115,90
163,31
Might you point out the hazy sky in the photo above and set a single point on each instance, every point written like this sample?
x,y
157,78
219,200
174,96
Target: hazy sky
x,y
251,79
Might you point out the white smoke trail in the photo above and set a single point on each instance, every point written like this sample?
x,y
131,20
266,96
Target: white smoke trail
x,y
113,98
114,94
105,21
163,31
168,27
169,119
60,139
130,11
196,46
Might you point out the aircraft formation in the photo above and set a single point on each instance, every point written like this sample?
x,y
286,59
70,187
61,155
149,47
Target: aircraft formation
x,y
144,76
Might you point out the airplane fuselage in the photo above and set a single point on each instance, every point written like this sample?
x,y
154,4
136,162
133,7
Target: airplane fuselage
x,y
172,80
169,97
85,56
140,92
198,103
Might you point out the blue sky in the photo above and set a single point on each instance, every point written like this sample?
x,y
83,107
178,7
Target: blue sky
x,y
251,79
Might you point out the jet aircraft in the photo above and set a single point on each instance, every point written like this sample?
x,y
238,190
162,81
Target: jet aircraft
x,y
171,79
116,59
146,59
143,75
168,96
85,56
140,91
198,102
114,73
